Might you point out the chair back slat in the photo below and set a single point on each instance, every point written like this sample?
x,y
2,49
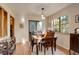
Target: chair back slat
x,y
49,39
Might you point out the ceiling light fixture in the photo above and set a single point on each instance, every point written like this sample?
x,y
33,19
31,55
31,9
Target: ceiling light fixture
x,y
42,15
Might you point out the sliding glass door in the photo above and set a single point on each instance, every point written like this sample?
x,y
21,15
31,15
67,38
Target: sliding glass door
x,y
32,26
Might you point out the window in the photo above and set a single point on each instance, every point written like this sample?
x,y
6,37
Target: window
x,y
64,23
56,25
61,24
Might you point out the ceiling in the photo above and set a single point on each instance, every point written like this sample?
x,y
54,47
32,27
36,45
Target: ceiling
x,y
34,9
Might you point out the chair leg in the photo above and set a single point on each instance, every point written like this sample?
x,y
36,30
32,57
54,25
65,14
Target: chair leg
x,y
52,49
41,47
37,49
47,48
32,47
44,50
69,52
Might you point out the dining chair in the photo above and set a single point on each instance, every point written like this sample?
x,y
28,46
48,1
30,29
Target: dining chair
x,y
47,41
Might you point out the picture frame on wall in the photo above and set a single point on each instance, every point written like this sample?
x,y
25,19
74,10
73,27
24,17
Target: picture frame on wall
x,y
77,18
21,25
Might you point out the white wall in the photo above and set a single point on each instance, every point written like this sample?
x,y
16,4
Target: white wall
x,y
70,11
63,40
21,33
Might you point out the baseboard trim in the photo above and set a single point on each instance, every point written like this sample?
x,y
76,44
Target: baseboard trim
x,y
63,50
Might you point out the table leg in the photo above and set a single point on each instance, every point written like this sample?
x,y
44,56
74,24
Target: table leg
x,y
37,49
54,47
41,47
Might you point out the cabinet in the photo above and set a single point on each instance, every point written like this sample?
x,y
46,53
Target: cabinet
x,y
74,43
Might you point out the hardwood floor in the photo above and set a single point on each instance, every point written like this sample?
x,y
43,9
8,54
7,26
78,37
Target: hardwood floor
x,y
25,49
65,51
48,52
22,49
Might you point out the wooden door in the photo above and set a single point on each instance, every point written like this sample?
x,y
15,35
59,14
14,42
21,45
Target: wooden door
x,y
11,26
3,22
0,22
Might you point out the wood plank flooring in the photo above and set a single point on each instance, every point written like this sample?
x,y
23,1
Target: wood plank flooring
x,y
22,49
25,49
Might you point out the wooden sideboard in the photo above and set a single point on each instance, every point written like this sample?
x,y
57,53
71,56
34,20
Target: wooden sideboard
x,y
74,43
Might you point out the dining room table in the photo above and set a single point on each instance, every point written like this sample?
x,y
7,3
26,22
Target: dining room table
x,y
38,39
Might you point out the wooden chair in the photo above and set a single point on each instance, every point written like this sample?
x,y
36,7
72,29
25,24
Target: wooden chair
x,y
48,41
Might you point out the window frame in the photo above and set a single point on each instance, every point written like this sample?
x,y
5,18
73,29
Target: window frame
x,y
61,23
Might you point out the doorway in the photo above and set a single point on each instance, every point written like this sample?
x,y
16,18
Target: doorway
x,y
34,26
11,26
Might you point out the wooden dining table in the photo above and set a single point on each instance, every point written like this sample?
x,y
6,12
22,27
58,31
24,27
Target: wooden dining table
x,y
38,40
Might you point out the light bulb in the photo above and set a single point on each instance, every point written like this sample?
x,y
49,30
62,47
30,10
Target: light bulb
x,y
42,16
22,20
